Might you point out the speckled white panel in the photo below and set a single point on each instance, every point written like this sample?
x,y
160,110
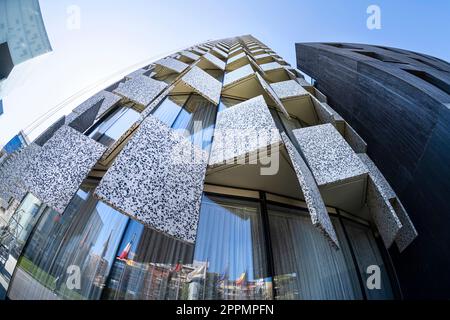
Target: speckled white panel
x,y
316,206
272,94
324,115
56,172
12,172
172,64
329,156
271,66
237,75
220,52
141,89
236,57
190,55
215,61
288,89
354,139
139,72
203,83
377,177
81,122
242,129
158,180
383,214
408,232
47,134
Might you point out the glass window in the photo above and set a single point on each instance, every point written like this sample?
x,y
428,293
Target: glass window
x,y
169,109
197,119
110,129
148,266
228,261
306,266
83,241
14,235
230,243
367,254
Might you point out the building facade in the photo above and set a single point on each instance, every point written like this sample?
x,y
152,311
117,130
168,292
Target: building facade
x,y
217,172
398,101
22,36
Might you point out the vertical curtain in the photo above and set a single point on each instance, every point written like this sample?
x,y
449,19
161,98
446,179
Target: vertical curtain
x,y
228,262
230,242
86,237
169,109
367,254
197,118
306,266
145,267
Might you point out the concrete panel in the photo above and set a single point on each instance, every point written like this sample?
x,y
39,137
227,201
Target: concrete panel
x,y
56,172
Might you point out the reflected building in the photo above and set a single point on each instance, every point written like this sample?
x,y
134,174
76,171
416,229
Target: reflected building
x,y
22,36
217,172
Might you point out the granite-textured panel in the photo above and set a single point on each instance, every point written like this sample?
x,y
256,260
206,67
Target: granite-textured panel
x,y
190,55
158,180
48,133
323,113
383,214
288,89
110,100
408,232
136,73
220,52
215,61
329,156
56,172
81,122
377,177
244,128
13,170
141,89
236,57
237,75
204,84
271,66
354,140
316,206
272,94
172,64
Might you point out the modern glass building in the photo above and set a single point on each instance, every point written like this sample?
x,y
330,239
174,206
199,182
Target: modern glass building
x,y
215,173
22,35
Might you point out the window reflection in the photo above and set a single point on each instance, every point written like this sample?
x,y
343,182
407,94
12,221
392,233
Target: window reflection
x,y
192,115
168,110
85,237
228,261
306,266
110,129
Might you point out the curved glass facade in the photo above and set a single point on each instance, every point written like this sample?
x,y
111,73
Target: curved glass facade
x,y
245,249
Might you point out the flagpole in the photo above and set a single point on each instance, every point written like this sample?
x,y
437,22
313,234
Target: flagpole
x,y
204,279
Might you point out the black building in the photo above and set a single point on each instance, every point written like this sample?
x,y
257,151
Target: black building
x,y
398,101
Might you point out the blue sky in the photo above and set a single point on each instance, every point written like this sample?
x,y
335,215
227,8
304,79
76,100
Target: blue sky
x,y
116,34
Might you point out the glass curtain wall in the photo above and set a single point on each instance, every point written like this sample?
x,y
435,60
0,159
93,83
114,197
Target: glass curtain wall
x,y
227,262
306,266
191,115
80,243
119,258
113,126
